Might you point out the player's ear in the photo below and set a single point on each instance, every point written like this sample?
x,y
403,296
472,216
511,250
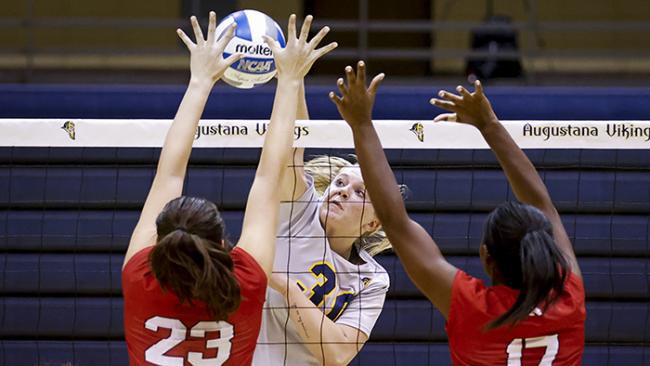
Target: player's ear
x,y
489,265
372,226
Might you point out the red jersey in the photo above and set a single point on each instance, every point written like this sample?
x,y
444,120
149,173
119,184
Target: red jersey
x,y
553,337
161,331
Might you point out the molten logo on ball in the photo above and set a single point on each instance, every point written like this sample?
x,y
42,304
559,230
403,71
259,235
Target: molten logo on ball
x,y
258,49
257,67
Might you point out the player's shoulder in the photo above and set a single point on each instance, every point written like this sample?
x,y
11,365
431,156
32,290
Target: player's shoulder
x,y
371,262
310,195
138,264
575,284
373,274
250,275
466,284
471,297
571,302
246,263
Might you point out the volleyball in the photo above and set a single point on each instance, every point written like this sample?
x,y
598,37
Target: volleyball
x,y
257,66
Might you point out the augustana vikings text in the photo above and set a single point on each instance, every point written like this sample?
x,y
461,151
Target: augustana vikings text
x,y
242,130
618,130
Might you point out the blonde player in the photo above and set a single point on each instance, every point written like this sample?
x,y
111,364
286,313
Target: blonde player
x,y
327,289
188,299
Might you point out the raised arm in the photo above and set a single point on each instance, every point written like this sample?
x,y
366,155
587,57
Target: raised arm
x,y
293,63
293,183
206,67
475,109
421,257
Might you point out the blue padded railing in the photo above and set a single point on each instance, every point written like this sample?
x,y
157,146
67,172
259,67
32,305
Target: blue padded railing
x,y
542,158
400,320
455,233
411,354
62,317
113,353
99,274
393,102
75,352
439,190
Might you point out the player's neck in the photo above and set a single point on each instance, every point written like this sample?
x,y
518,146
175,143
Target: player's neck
x,y
341,245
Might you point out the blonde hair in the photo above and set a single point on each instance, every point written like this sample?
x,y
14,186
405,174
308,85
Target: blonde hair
x,y
323,169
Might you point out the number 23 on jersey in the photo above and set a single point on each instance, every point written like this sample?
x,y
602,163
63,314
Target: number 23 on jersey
x,y
156,354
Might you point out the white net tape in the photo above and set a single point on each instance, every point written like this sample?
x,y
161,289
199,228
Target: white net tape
x,y
401,134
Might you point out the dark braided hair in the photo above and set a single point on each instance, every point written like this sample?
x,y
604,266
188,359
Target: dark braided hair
x,y
520,239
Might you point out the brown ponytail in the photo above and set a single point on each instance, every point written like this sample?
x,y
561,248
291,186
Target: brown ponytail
x,y
189,258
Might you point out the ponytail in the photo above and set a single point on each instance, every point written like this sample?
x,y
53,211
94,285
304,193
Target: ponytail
x,y
194,268
533,264
541,281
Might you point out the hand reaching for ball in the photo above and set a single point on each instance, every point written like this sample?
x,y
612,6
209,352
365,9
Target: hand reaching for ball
x,y
296,58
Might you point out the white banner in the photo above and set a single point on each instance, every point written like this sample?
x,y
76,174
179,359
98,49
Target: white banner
x,y
403,134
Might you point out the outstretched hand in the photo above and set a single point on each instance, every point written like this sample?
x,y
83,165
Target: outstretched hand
x,y
470,108
296,58
206,61
356,102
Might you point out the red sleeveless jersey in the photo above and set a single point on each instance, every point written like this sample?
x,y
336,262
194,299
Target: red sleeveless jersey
x,y
161,331
554,336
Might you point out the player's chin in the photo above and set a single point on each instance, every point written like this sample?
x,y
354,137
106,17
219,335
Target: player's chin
x,y
333,217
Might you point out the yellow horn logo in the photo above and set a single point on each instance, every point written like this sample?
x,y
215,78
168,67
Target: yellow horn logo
x,y
418,130
68,127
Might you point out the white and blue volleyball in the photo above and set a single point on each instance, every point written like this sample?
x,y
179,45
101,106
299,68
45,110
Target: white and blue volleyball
x,y
257,67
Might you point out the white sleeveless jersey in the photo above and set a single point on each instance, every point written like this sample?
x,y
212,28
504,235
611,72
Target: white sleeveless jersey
x,y
347,293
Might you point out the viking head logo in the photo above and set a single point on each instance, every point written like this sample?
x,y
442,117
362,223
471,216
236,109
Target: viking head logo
x,y
68,127
366,281
418,130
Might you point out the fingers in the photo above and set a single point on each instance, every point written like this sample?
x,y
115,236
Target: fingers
x,y
449,96
325,50
233,58
478,87
223,41
212,25
374,84
445,117
198,33
349,73
361,73
335,99
450,106
273,44
462,91
304,31
188,42
341,86
319,37
291,27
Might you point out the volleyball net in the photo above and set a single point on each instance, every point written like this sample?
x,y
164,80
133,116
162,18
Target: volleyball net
x,y
71,191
